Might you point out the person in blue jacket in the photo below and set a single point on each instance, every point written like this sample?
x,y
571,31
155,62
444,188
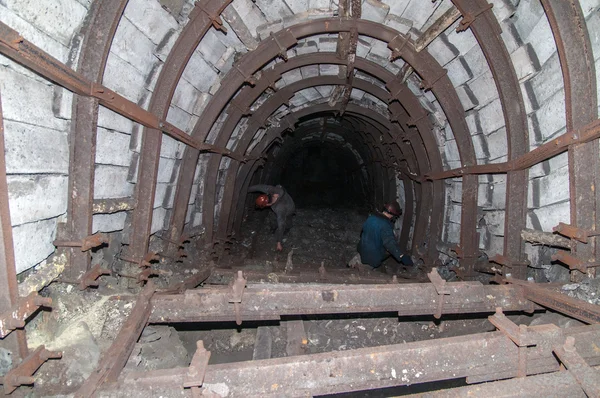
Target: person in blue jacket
x,y
377,240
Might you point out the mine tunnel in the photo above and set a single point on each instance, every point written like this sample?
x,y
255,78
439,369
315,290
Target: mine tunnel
x,y
138,259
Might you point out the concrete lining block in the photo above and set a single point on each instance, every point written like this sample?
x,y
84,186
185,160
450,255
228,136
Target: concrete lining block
x,y
491,117
123,78
477,62
35,149
467,98
34,35
419,12
593,26
185,96
374,10
274,9
36,197
108,222
111,182
150,18
462,41
483,88
199,73
527,16
33,243
550,216
495,222
159,216
133,47
547,82
165,169
178,117
402,25
451,151
28,100
503,9
542,41
112,148
525,62
551,116
497,144
458,71
211,47
554,187
113,121
441,51
59,19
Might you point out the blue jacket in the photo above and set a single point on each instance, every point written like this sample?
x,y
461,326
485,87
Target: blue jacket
x,y
376,240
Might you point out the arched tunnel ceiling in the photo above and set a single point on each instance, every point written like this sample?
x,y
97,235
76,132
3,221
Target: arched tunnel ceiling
x,y
363,64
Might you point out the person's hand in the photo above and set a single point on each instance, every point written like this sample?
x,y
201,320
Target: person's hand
x,y
407,260
279,247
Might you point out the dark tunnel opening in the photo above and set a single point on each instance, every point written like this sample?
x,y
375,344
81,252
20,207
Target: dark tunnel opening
x,y
323,175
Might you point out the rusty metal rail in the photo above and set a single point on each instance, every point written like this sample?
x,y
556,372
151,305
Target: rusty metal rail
x,y
370,368
270,301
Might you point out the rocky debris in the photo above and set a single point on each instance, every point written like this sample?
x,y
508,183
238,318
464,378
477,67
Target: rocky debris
x,y
586,290
159,347
555,318
5,361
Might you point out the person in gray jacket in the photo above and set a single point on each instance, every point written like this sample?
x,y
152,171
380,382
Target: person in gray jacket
x,y
282,205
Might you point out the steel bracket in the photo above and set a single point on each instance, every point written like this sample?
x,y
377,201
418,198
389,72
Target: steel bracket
x,y
85,244
575,233
197,368
440,287
237,287
216,20
244,110
469,18
397,44
412,122
282,49
89,278
395,94
523,337
507,262
428,85
23,373
25,306
573,262
587,377
248,77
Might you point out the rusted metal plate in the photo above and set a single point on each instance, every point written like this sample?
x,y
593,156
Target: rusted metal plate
x,y
362,369
577,63
269,301
9,291
557,384
187,42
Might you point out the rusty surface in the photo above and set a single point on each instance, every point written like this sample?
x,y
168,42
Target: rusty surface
x,y
89,278
581,102
572,232
87,243
371,368
15,317
269,301
197,369
551,298
204,14
23,373
98,36
586,376
116,356
557,384
267,50
9,290
113,205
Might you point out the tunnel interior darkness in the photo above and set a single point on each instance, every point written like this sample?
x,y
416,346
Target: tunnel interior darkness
x,y
326,162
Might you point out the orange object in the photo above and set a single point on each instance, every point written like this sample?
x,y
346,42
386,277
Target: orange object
x,y
262,201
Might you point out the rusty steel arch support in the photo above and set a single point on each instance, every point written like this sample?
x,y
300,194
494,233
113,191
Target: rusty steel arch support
x,y
104,17
194,31
351,109
273,103
579,75
433,75
402,95
258,119
487,31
